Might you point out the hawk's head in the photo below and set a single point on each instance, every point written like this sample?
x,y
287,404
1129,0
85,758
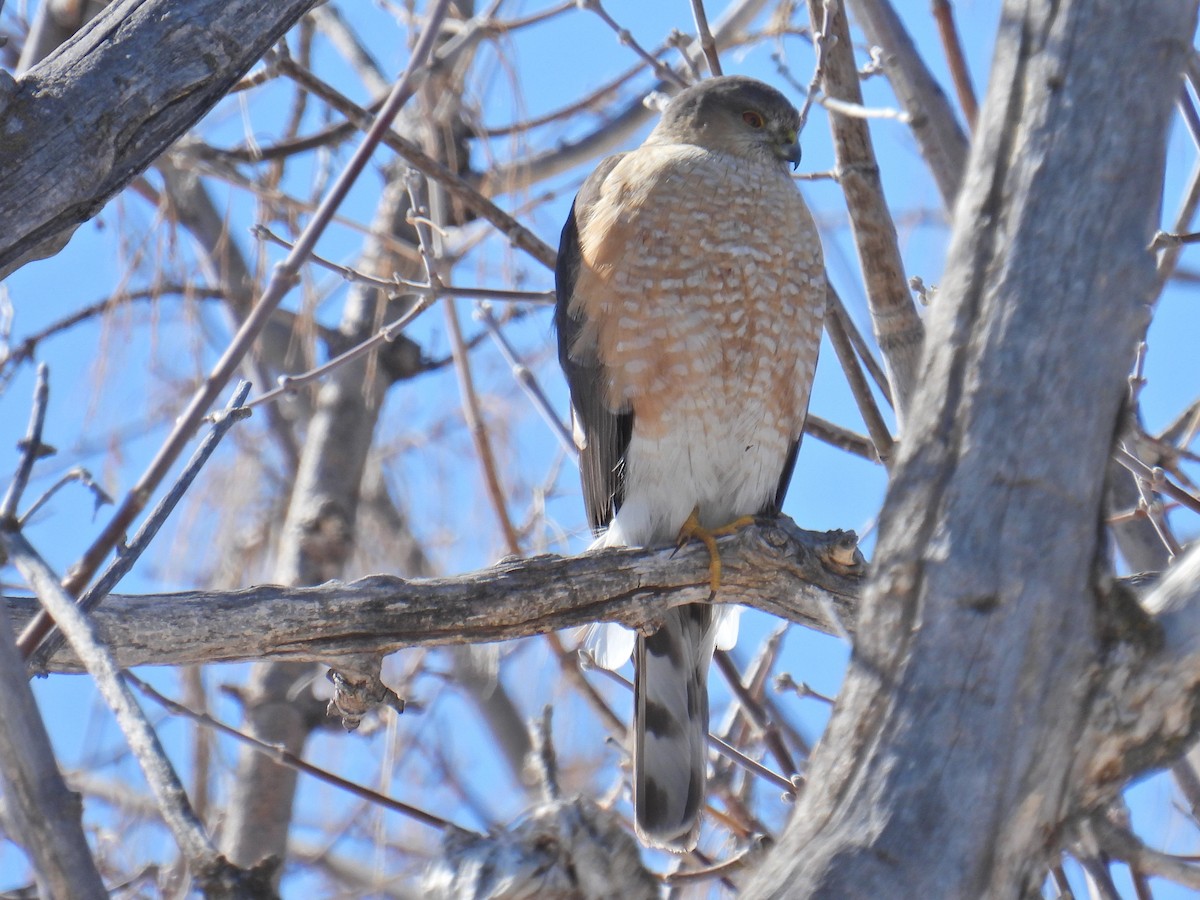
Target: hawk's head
x,y
733,114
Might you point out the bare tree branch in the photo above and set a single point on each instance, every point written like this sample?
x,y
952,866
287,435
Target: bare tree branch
x,y
952,752
943,143
212,871
775,567
898,328
281,281
173,63
40,813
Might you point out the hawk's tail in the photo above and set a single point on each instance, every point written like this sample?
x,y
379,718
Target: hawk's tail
x,y
671,727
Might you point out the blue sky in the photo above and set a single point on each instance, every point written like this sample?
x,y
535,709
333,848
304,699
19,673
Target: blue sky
x,y
115,388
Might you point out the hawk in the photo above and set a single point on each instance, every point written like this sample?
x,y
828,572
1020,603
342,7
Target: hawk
x,y
690,296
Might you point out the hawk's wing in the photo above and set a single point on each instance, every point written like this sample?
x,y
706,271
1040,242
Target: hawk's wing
x,y
785,478
605,432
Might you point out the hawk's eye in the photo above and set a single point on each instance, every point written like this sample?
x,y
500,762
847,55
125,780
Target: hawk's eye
x,y
753,119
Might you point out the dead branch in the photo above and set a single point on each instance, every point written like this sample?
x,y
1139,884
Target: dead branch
x,y
170,77
776,567
898,328
942,142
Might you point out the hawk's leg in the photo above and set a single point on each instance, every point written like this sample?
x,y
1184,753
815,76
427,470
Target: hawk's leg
x,y
693,530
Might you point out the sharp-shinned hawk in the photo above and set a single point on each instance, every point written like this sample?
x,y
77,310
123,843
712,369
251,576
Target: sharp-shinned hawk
x,y
691,290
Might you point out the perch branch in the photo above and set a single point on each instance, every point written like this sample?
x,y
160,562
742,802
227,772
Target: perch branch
x,y
776,567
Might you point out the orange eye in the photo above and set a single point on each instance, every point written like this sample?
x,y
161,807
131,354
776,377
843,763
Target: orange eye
x,y
753,119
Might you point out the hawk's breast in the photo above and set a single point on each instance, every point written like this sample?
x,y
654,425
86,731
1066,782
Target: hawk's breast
x,y
702,288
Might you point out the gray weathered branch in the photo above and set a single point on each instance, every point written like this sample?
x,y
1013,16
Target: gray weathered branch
x,y
898,327
952,763
807,577
63,154
942,141
1146,714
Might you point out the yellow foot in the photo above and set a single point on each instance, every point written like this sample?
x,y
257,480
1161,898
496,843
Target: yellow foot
x,y
693,530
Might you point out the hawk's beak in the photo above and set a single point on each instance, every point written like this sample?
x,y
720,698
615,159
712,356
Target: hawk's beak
x,y
791,152
789,148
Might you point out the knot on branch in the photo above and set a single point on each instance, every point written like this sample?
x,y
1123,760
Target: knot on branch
x,y
353,700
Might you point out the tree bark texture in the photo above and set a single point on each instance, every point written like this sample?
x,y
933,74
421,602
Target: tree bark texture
x,y
950,763
78,127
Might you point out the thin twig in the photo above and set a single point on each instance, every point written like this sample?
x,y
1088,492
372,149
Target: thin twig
x,y
756,712
707,43
1187,108
25,349
525,378
759,674
820,40
1128,847
286,758
506,27
716,870
397,286
843,438
78,473
574,663
859,111
479,433
458,187
754,767
1169,258
1164,239
785,682
234,412
878,375
876,427
1153,510
31,447
289,384
625,37
588,102
1157,479
462,364
349,43
943,14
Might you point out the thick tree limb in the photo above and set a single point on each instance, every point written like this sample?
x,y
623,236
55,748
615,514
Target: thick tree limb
x,y
803,576
952,758
63,154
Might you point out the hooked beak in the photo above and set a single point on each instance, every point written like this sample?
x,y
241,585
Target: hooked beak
x,y
791,152
788,149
